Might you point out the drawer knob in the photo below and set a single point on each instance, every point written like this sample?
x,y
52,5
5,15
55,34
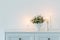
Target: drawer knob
x,y
48,38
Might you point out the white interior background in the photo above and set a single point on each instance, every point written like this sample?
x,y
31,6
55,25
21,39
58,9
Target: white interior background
x,y
15,15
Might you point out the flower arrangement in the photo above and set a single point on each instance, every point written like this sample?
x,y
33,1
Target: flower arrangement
x,y
37,20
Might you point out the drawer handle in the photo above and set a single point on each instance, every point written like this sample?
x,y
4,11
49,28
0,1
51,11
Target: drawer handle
x,y
19,38
48,38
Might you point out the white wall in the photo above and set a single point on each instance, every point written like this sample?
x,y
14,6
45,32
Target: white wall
x,y
15,14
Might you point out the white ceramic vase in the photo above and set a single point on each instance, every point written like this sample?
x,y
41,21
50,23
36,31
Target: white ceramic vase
x,y
38,26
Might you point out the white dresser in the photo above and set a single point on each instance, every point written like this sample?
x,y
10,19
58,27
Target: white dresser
x,y
32,35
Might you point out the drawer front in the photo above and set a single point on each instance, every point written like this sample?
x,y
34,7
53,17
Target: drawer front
x,y
46,36
19,36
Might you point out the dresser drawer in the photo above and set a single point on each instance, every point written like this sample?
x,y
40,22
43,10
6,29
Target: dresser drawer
x,y
19,36
46,36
